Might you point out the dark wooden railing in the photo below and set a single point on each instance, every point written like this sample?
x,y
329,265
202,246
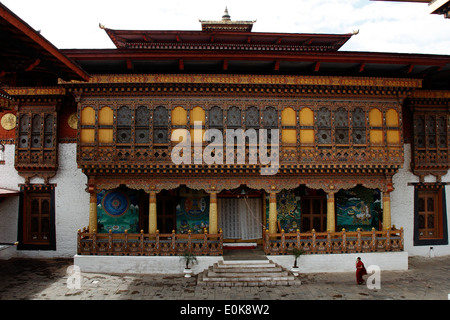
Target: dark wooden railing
x,y
205,244
333,242
140,244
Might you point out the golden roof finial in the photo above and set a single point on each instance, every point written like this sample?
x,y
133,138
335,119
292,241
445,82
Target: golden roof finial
x,y
226,16
101,26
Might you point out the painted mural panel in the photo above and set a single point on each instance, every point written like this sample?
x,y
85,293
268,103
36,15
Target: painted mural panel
x,y
118,210
193,211
358,208
288,210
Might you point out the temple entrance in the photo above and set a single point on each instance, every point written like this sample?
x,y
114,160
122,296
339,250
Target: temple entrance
x,y
166,204
240,215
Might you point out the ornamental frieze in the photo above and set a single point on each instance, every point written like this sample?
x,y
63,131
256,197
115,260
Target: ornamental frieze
x,y
252,79
331,184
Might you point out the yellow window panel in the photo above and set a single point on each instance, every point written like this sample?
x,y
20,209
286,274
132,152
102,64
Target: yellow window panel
x,y
306,117
179,116
306,136
87,135
375,118
105,116
197,114
288,117
376,137
288,136
393,137
392,118
88,116
105,135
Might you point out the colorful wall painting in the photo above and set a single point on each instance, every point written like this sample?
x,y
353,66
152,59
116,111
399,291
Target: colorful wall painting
x,y
118,210
192,211
358,208
288,210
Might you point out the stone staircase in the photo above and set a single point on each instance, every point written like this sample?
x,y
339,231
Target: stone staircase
x,y
246,273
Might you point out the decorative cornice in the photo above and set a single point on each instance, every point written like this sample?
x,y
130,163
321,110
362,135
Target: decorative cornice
x,y
211,79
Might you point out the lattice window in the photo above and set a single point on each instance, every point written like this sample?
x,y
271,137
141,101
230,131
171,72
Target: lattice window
x,y
36,139
341,125
24,127
270,118
215,118
36,131
430,140
324,126
252,118
234,117
124,123
160,126
359,126
442,133
49,124
142,125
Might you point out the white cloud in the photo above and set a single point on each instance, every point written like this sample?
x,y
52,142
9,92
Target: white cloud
x,y
384,26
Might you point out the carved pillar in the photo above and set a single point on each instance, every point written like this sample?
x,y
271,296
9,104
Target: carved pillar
x,y
213,220
152,227
386,210
272,212
92,211
331,216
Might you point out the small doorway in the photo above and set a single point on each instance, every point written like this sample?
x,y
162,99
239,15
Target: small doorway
x,y
166,208
314,211
240,215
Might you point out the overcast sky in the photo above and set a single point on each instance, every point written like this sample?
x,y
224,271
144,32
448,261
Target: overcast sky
x,y
383,26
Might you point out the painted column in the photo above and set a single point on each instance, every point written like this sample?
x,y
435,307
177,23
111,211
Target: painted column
x,y
331,216
152,227
213,220
93,212
272,212
386,210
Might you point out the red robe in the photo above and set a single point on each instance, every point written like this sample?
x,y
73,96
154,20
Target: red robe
x,y
360,272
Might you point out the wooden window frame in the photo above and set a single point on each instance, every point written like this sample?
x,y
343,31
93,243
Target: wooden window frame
x,y
40,155
441,216
322,215
27,193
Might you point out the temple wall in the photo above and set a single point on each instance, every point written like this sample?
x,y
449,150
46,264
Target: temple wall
x,y
72,205
9,207
402,207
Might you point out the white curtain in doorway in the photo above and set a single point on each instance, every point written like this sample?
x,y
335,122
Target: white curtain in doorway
x,y
240,218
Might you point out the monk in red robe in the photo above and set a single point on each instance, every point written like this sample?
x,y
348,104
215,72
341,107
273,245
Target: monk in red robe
x,y
360,271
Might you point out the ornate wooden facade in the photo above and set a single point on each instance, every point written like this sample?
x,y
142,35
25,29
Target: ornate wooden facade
x,y
342,120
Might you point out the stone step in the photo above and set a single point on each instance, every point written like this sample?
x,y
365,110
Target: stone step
x,y
218,269
244,266
246,273
250,282
212,274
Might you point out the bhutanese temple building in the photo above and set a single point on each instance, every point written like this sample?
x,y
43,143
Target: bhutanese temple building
x,y
218,138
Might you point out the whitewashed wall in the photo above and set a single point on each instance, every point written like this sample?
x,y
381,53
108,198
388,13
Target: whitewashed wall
x,y
71,203
402,207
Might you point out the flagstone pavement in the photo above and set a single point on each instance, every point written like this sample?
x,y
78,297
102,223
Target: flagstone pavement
x,y
47,279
